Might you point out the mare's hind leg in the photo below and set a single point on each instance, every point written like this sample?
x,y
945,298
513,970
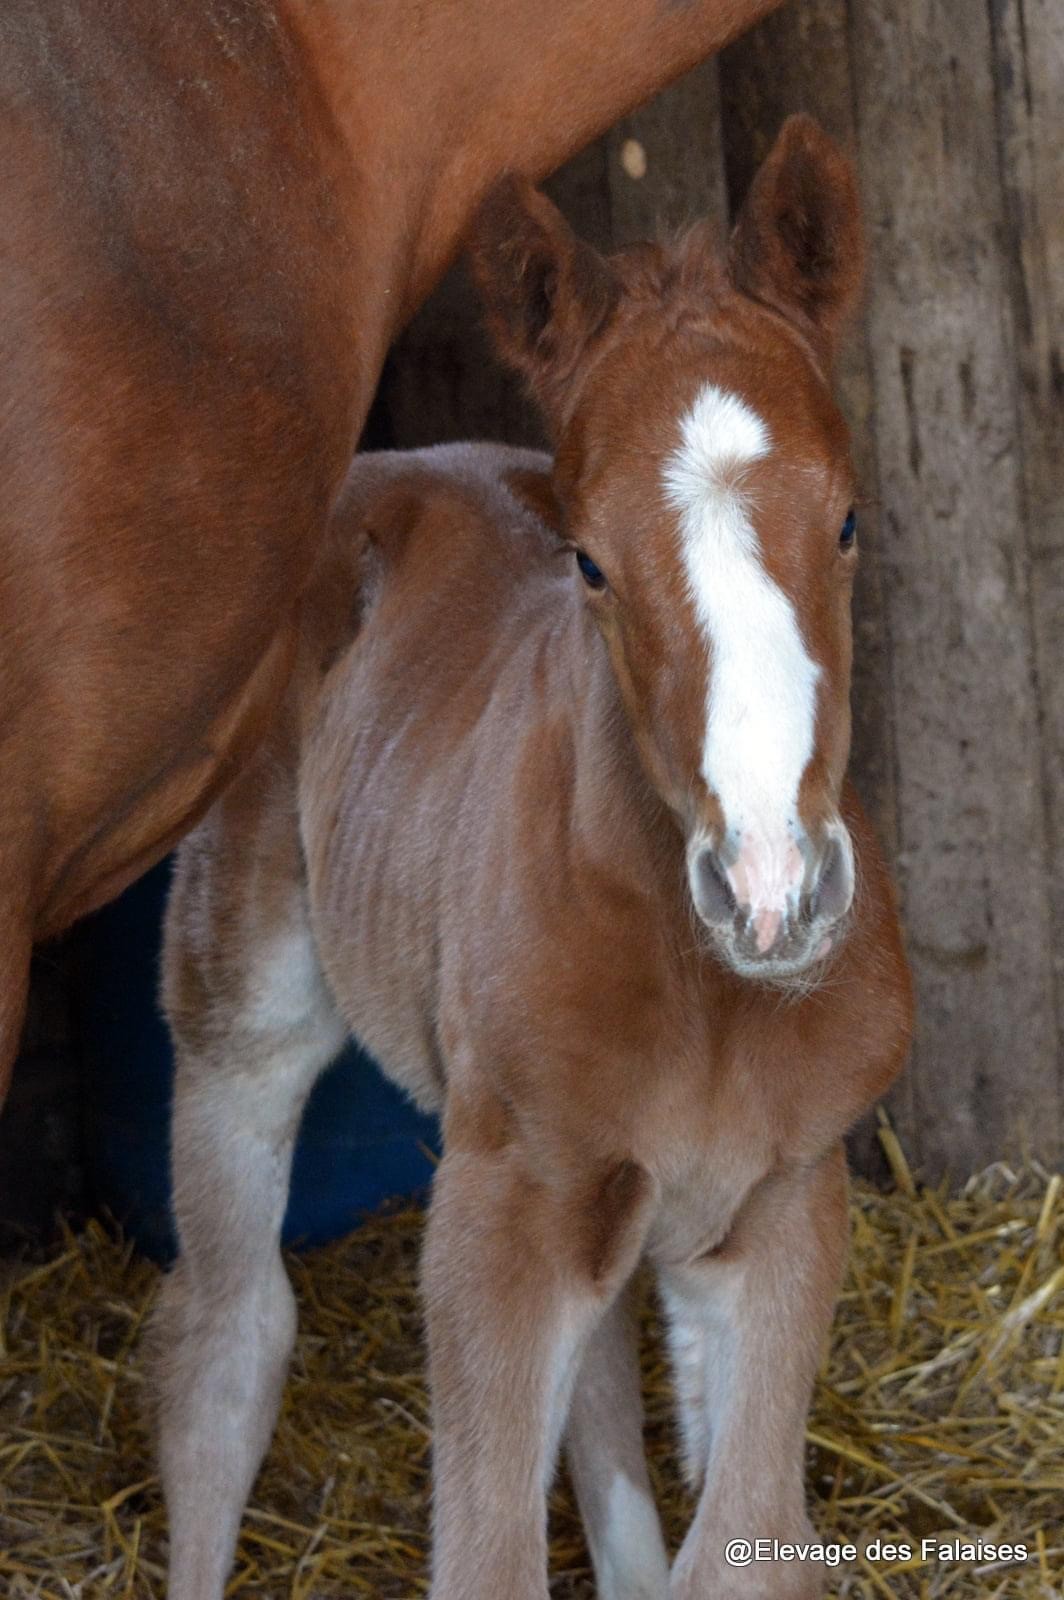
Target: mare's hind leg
x,y
604,1444
253,1027
14,983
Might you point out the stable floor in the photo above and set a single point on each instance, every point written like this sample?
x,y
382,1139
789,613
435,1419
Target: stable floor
x,y
940,1412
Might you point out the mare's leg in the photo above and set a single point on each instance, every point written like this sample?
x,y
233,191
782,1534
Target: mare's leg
x,y
604,1443
747,1326
517,1272
14,983
253,1027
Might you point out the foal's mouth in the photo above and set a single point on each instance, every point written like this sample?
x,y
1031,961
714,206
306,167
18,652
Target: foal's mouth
x,y
799,973
789,941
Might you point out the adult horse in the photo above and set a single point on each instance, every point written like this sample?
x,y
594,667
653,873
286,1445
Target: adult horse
x,y
216,216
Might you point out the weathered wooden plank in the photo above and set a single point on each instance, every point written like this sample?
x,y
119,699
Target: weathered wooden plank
x,y
581,191
971,822
798,60
666,162
1028,39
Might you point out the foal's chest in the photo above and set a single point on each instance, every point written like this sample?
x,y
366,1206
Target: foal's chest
x,y
712,1130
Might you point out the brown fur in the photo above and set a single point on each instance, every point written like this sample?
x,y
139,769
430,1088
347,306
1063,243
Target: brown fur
x,y
485,853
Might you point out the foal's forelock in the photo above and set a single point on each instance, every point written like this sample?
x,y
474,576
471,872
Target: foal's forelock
x,y
762,687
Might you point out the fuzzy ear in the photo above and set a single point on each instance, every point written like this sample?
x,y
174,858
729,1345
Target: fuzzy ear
x,y
546,293
798,243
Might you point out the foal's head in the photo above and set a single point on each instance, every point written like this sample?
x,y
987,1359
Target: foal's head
x,y
704,476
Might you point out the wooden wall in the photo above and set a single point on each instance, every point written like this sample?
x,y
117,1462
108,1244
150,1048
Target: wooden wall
x,y
954,381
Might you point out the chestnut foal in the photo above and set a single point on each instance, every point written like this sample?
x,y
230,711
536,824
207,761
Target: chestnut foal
x,y
567,838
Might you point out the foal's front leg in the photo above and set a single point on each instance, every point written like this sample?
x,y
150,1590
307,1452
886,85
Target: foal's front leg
x,y
747,1327
517,1274
607,1461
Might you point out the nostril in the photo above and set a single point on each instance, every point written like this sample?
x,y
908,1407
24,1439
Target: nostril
x,y
713,893
831,897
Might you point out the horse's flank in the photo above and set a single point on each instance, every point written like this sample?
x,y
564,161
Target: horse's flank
x,y
215,219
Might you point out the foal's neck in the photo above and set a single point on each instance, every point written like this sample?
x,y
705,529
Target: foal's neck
x,y
617,818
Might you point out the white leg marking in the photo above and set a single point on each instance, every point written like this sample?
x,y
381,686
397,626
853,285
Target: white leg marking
x,y
696,1327
285,981
226,1319
608,1464
634,1565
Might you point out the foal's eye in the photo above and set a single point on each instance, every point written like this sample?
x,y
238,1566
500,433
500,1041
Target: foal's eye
x,y
593,576
849,531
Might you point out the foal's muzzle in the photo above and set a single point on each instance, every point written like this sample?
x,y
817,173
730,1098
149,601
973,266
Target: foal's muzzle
x,y
775,908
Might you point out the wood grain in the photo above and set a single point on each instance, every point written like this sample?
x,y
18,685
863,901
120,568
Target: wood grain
x,y
680,135
1028,62
971,822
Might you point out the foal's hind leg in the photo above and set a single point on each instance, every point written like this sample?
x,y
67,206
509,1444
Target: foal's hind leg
x,y
256,1028
604,1443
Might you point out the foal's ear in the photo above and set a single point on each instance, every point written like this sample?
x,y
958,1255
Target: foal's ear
x,y
546,293
798,243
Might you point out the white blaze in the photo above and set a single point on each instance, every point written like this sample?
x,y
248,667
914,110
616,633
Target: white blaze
x,y
761,700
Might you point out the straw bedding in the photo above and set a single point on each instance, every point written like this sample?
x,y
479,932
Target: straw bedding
x,y
940,1411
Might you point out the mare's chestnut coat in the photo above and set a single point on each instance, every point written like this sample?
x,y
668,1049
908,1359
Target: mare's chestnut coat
x,y
216,216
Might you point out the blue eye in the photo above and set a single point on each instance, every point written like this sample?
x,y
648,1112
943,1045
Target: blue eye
x,y
593,576
849,531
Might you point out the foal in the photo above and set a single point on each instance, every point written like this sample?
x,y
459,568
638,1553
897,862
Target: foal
x,y
565,836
